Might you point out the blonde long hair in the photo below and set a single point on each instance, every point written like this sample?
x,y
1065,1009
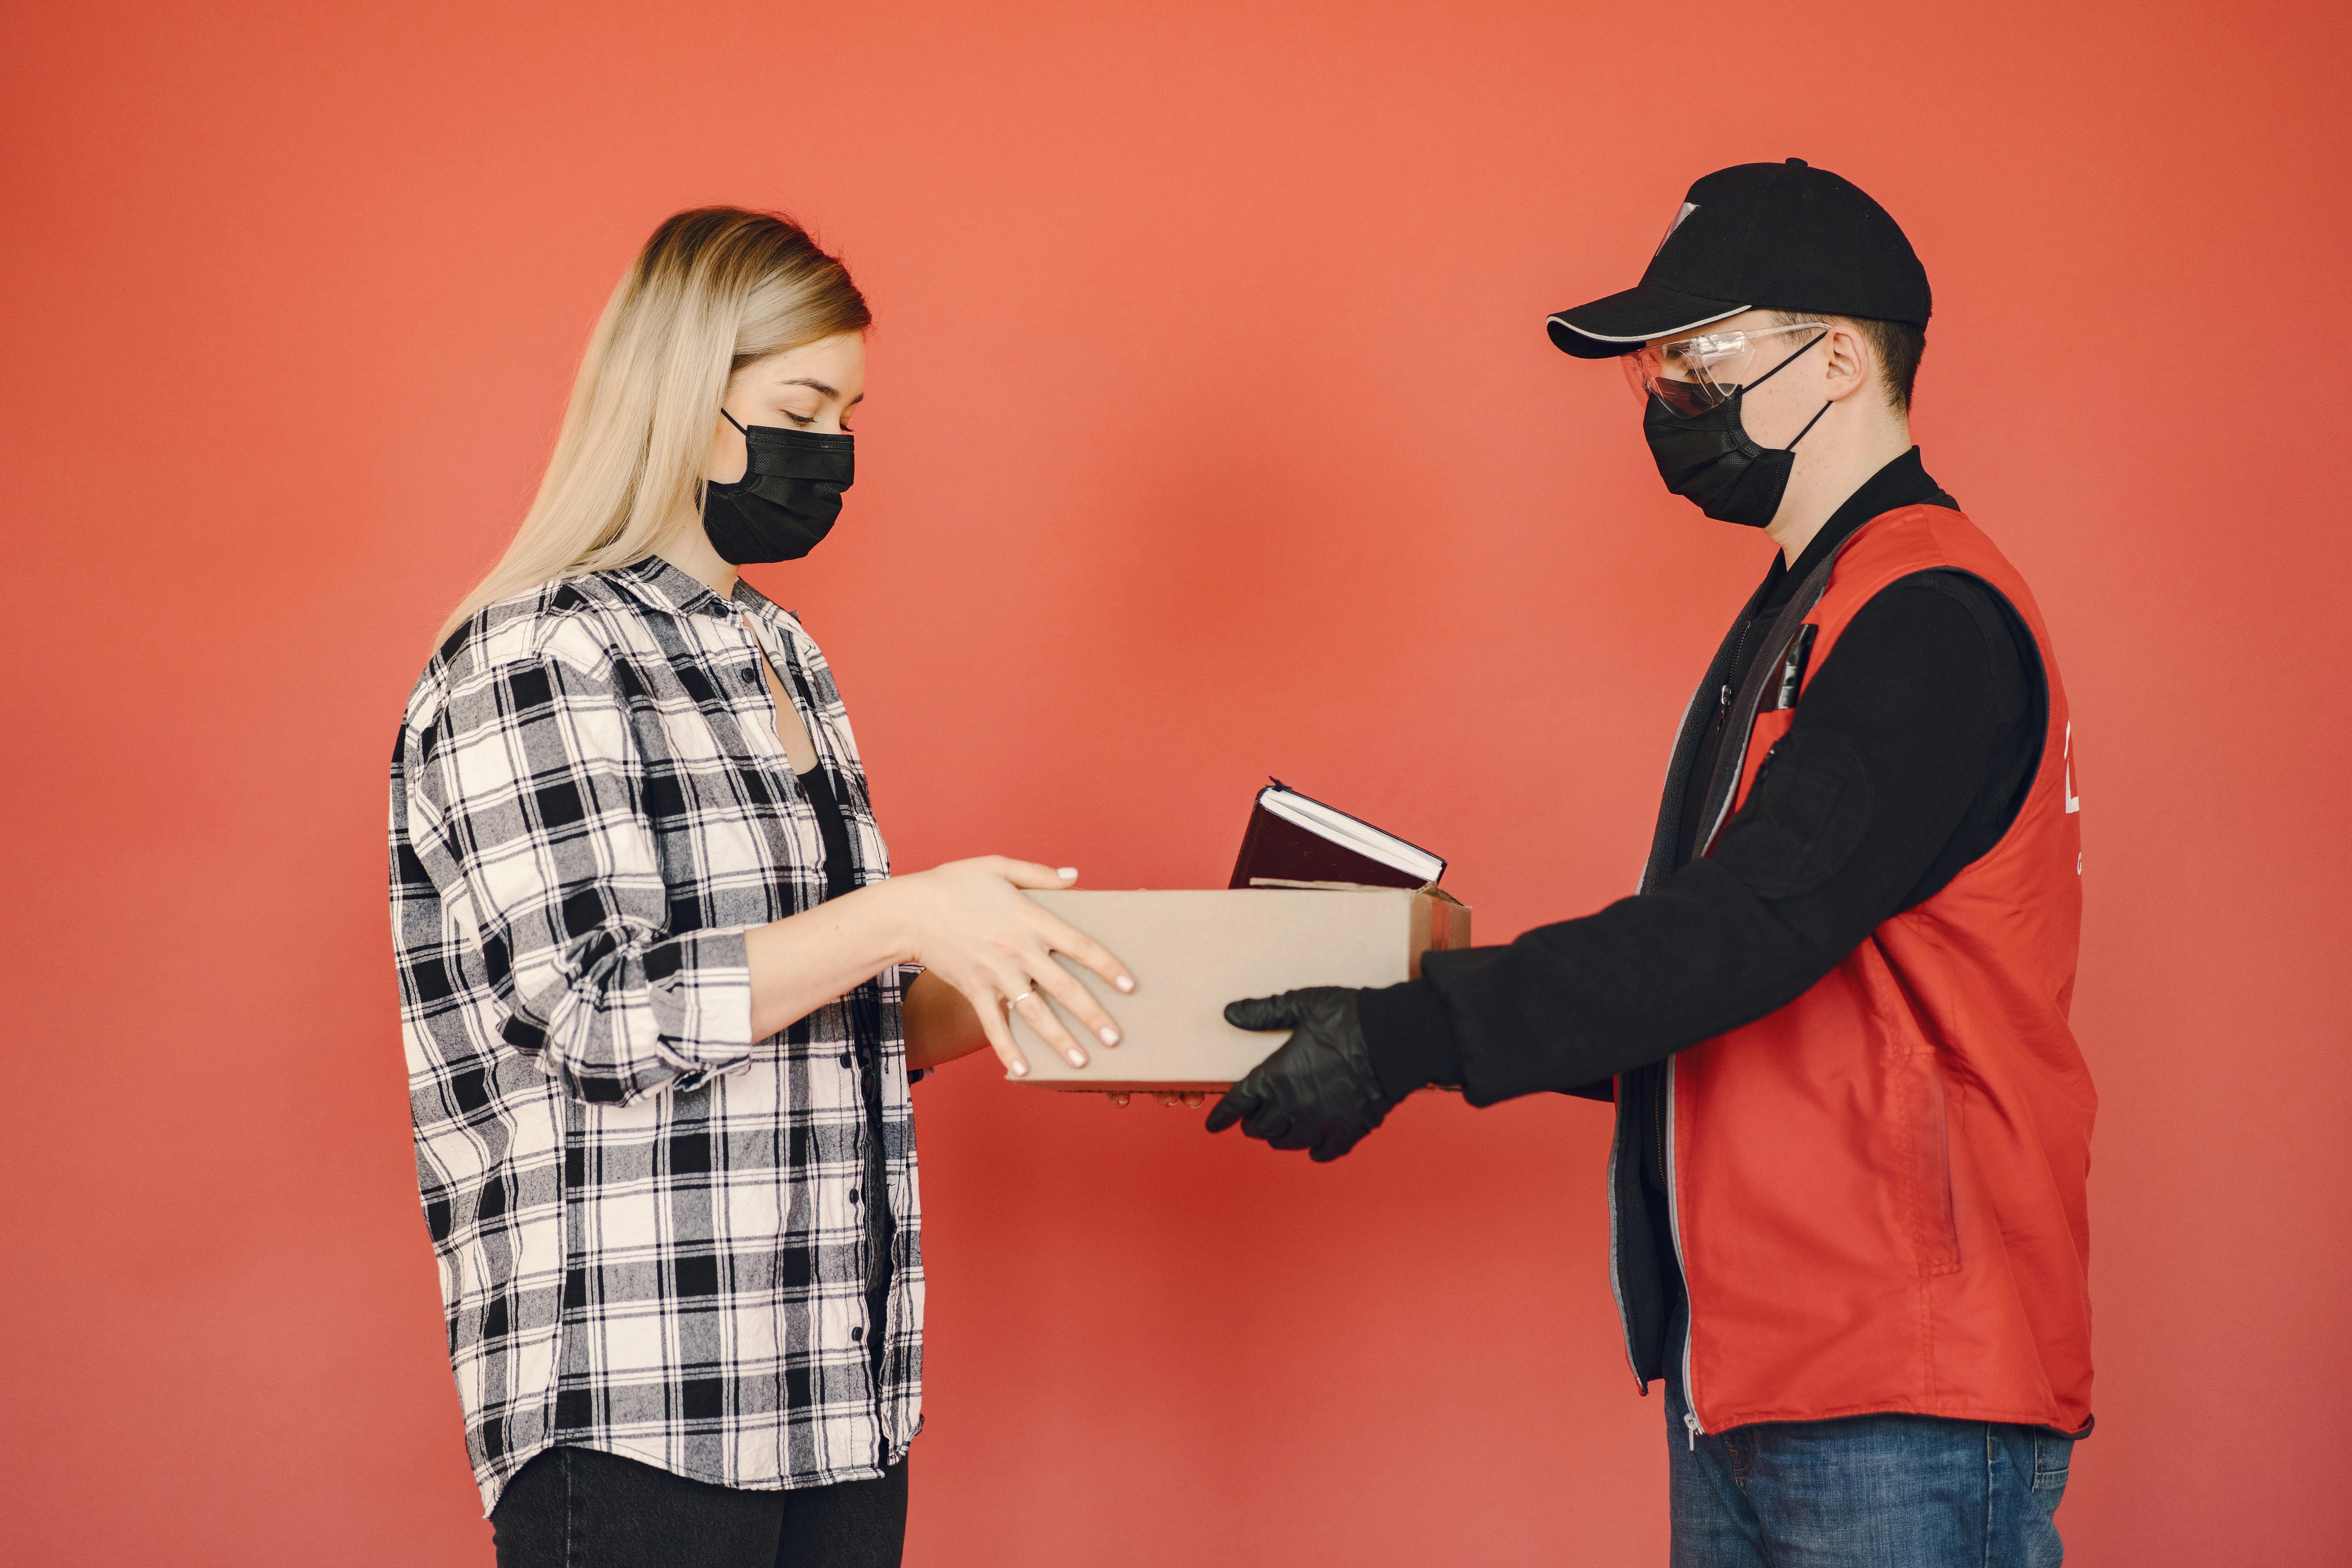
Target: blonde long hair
x,y
712,290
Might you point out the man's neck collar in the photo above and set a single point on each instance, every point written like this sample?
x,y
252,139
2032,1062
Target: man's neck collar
x,y
1855,457
1902,482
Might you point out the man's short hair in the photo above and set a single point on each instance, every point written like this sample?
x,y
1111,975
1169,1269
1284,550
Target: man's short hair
x,y
1897,345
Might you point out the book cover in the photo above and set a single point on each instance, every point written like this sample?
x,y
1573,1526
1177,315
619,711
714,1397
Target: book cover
x,y
1293,838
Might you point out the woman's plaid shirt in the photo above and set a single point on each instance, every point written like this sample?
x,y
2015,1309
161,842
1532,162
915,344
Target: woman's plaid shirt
x,y
650,1226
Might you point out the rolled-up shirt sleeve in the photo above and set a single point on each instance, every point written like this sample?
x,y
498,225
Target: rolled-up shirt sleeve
x,y
529,810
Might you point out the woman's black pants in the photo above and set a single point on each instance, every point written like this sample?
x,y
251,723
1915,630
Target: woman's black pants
x,y
578,1508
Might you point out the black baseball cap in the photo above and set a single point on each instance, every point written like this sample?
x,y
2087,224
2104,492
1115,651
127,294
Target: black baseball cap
x,y
1758,237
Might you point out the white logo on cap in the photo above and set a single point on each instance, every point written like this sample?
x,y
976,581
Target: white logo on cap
x,y
1687,208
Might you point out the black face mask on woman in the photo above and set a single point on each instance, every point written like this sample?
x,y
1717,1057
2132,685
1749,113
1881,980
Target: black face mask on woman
x,y
1708,459
784,504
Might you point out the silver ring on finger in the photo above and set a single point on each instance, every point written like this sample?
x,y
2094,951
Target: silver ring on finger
x,y
1013,1002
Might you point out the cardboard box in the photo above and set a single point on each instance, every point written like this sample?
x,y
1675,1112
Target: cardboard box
x,y
1191,953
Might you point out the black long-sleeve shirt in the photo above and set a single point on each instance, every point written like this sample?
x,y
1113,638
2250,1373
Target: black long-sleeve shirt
x,y
1906,760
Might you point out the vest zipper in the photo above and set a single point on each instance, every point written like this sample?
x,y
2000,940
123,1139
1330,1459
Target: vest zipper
x,y
1661,863
1738,760
1674,1227
1658,1122
1616,1275
1798,606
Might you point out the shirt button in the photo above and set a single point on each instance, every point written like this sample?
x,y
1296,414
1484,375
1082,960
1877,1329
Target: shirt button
x,y
857,1333
853,1194
750,678
844,1058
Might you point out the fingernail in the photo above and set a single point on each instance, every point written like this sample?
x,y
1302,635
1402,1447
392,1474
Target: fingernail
x,y
1019,1069
1068,873
1125,983
1077,1058
1110,1036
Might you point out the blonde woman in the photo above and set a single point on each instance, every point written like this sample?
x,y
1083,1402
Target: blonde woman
x,y
659,994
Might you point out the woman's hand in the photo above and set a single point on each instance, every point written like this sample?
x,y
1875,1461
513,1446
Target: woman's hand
x,y
967,924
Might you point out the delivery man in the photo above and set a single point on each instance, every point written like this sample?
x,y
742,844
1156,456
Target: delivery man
x,y
1847,1226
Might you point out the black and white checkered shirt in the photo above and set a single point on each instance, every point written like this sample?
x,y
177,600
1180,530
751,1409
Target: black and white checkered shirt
x,y
651,1229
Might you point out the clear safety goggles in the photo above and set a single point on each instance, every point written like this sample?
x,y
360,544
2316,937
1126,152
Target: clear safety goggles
x,y
1692,375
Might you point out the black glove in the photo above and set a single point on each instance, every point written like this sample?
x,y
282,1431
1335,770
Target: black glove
x,y
1319,1092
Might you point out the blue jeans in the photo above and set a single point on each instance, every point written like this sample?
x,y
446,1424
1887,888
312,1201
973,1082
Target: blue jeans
x,y
1869,1491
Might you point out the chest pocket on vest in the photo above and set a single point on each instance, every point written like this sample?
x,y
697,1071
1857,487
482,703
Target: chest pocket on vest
x,y
1808,811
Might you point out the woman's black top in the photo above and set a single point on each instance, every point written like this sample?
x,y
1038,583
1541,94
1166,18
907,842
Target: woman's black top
x,y
840,877
840,872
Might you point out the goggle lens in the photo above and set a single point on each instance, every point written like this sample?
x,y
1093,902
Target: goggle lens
x,y
1692,375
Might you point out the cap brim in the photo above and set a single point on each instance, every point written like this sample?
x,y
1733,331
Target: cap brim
x,y
1624,323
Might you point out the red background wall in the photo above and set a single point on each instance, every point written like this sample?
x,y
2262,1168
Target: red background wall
x,y
1214,432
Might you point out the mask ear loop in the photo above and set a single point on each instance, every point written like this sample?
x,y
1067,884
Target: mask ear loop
x,y
747,435
1767,376
1753,385
1809,425
709,485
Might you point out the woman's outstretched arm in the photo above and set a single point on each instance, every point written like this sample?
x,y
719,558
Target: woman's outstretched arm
x,y
982,942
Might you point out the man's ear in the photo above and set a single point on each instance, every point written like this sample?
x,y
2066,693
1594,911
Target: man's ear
x,y
1849,363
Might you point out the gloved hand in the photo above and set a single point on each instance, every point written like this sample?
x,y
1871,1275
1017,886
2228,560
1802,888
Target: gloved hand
x,y
1319,1092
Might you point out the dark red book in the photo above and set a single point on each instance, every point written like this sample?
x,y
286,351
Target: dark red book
x,y
1292,839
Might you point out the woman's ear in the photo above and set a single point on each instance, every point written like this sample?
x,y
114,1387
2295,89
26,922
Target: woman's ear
x,y
1849,363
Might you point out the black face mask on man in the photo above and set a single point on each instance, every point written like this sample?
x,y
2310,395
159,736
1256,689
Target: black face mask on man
x,y
1708,459
787,499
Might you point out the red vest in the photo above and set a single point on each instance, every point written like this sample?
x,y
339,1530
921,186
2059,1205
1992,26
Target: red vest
x,y
1879,1188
